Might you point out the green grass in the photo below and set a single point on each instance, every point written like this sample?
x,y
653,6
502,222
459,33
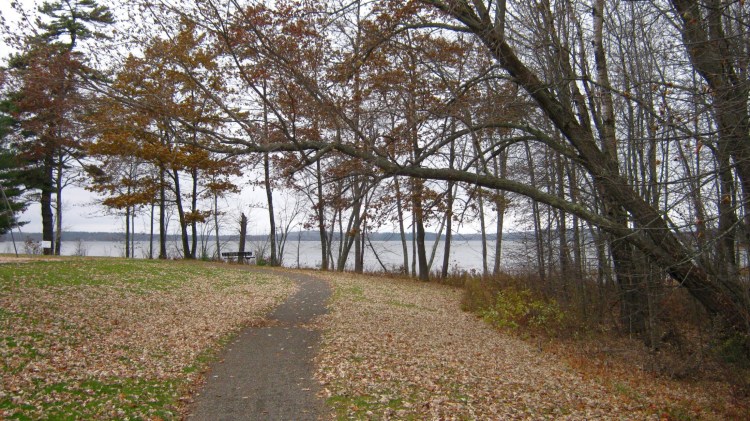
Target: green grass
x,y
101,397
364,407
356,293
149,274
141,275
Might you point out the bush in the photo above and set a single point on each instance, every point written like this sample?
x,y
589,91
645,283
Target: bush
x,y
514,308
734,350
478,294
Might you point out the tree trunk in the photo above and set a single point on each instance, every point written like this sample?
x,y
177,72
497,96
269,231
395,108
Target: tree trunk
x,y
536,217
193,221
424,274
243,236
501,204
401,230
186,252
58,206
271,216
320,212
48,239
127,232
132,233
216,226
448,230
151,233
359,240
162,214
483,231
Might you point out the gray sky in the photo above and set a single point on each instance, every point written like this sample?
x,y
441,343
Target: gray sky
x,y
80,212
79,215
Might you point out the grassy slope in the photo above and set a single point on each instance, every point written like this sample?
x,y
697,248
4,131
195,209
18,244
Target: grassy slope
x,y
110,338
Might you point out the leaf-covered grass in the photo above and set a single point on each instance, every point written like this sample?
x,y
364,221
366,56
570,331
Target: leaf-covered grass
x,y
141,274
399,349
117,339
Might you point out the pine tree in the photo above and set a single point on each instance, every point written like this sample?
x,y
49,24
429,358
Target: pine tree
x,y
12,171
48,73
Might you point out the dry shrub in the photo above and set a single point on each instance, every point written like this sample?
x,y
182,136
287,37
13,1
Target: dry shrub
x,y
520,308
583,314
477,295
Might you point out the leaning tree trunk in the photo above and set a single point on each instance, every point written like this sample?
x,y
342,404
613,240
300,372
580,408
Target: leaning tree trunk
x,y
653,236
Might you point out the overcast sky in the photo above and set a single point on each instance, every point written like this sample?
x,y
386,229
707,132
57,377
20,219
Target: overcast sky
x,y
79,215
80,212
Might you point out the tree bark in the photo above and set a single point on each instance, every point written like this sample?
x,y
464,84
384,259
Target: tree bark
x,y
417,193
216,226
243,237
194,209
46,205
186,252
162,213
501,203
151,233
401,229
320,212
127,232
271,215
58,205
448,230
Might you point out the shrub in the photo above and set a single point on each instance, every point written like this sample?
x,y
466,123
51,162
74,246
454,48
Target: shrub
x,y
478,294
514,308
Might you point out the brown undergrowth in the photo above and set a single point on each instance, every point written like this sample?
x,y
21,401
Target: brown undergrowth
x,y
690,352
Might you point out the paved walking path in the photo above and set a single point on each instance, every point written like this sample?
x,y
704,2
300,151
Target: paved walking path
x,y
267,372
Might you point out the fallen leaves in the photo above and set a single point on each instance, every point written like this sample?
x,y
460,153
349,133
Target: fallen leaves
x,y
398,349
123,342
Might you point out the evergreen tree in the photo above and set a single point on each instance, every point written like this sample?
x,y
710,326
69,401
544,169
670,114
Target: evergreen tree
x,y
48,74
12,171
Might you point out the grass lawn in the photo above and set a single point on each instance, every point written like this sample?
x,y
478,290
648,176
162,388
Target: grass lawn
x,y
113,338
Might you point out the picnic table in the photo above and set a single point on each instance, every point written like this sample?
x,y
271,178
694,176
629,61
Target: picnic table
x,y
231,255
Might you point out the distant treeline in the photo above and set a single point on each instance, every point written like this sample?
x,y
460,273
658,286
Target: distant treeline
x,y
293,236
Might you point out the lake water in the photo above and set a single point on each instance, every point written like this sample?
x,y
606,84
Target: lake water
x,y
465,255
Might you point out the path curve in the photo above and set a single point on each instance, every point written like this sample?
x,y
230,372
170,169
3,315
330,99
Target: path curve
x,y
267,373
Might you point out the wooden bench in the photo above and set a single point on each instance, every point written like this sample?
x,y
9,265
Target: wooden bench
x,y
231,255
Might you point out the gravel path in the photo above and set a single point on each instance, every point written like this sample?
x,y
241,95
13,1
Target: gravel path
x,y
267,372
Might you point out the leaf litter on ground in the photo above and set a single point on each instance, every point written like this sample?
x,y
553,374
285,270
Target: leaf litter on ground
x,y
108,338
400,349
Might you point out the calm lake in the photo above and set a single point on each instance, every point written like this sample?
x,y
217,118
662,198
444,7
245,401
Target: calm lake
x,y
465,255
